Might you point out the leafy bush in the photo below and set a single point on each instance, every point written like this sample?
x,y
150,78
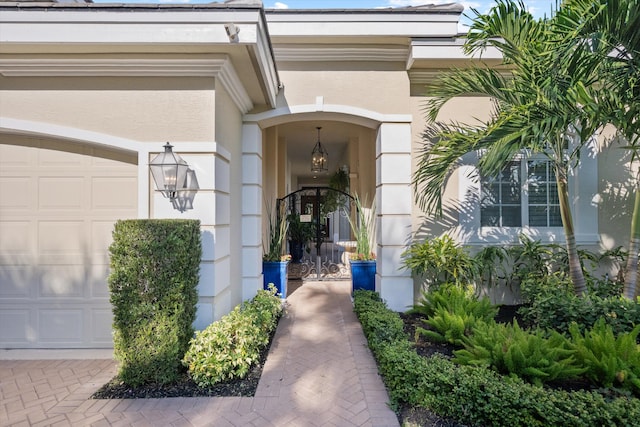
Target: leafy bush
x,y
441,261
552,304
610,360
152,283
481,397
452,312
510,350
228,348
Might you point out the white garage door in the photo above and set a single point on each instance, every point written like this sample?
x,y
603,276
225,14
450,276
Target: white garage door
x,y
58,204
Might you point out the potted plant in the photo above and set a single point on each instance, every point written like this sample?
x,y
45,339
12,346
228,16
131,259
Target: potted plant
x,y
363,261
334,200
274,262
299,234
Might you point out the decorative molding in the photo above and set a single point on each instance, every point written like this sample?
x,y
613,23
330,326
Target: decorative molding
x,y
310,53
219,68
345,113
424,76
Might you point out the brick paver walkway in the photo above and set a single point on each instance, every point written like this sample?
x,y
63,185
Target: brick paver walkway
x,y
319,372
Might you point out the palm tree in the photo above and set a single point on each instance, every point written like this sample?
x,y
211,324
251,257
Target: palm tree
x,y
537,105
611,29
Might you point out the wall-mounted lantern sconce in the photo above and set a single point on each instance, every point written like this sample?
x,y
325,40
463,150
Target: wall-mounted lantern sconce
x,y
184,199
174,179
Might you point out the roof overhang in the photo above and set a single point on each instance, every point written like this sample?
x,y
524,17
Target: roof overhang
x,y
61,30
423,40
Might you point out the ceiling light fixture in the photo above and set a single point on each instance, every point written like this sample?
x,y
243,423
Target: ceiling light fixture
x,y
319,157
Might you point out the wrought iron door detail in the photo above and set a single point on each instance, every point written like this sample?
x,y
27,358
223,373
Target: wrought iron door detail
x,y
318,215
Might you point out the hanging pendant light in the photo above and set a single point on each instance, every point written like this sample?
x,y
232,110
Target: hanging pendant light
x,y
319,157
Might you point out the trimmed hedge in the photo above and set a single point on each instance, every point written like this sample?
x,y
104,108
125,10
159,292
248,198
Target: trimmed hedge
x,y
477,396
153,280
229,347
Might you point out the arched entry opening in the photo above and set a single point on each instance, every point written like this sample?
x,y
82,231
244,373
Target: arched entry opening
x,y
312,205
267,176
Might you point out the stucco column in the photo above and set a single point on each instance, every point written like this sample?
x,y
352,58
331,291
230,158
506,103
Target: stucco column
x,y
211,206
251,210
393,200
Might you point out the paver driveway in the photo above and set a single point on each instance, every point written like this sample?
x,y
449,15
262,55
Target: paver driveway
x,y
319,372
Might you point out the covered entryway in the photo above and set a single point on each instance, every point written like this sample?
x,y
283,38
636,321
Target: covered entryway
x,y
378,157
59,201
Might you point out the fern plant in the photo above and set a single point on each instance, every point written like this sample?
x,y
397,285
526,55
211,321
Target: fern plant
x,y
511,350
452,311
457,299
610,360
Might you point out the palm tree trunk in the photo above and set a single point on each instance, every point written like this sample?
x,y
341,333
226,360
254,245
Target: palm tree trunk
x,y
631,272
575,269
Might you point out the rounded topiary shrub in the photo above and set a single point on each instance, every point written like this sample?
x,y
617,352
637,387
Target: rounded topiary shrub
x,y
153,280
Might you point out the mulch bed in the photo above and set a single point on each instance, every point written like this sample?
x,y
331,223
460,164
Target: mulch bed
x,y
186,387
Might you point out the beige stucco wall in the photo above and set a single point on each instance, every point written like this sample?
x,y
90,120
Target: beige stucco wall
x,y
143,109
385,92
615,190
463,110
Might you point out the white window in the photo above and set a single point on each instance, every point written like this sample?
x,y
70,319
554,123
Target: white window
x,y
506,200
523,199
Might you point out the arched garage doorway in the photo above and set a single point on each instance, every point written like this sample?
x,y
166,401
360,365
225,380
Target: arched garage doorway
x,y
58,202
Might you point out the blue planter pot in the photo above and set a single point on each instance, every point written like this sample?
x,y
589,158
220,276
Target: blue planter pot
x,y
275,272
363,275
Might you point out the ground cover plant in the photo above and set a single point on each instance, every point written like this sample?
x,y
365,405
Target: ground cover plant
x,y
473,395
553,340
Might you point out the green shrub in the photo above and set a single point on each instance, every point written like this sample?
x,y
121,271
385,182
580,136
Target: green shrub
x,y
480,397
452,312
552,304
610,360
152,283
510,350
378,324
229,347
441,261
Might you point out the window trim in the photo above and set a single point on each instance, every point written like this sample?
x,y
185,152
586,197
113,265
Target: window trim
x,y
583,190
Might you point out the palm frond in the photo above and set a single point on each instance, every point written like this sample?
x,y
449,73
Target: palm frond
x,y
443,146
